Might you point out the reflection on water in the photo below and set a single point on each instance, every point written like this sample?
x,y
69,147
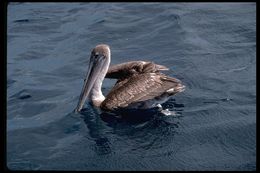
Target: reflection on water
x,y
127,122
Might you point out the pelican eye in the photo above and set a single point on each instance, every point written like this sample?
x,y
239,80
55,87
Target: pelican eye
x,y
94,56
98,56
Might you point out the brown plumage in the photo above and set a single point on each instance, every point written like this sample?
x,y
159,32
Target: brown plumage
x,y
140,84
127,69
140,88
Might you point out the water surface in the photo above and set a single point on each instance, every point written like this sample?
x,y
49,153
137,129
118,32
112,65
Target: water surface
x,y
211,47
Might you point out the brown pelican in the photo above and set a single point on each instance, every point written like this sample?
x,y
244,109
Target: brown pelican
x,y
140,84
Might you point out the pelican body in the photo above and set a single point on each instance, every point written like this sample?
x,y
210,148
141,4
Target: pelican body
x,y
140,84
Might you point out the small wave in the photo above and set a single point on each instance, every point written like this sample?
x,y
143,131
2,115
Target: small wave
x,y
233,70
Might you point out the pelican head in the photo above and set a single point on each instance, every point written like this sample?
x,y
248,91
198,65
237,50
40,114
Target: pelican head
x,y
98,66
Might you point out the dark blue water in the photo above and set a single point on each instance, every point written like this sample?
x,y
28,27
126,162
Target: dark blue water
x,y
211,47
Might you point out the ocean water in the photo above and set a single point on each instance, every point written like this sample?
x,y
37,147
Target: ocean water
x,y
210,47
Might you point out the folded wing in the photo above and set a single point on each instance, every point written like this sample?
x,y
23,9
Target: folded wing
x,y
139,88
125,70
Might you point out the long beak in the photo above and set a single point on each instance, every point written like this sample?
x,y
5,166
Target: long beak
x,y
94,69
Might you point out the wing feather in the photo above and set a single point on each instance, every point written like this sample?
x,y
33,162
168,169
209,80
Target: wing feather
x,y
124,70
138,88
